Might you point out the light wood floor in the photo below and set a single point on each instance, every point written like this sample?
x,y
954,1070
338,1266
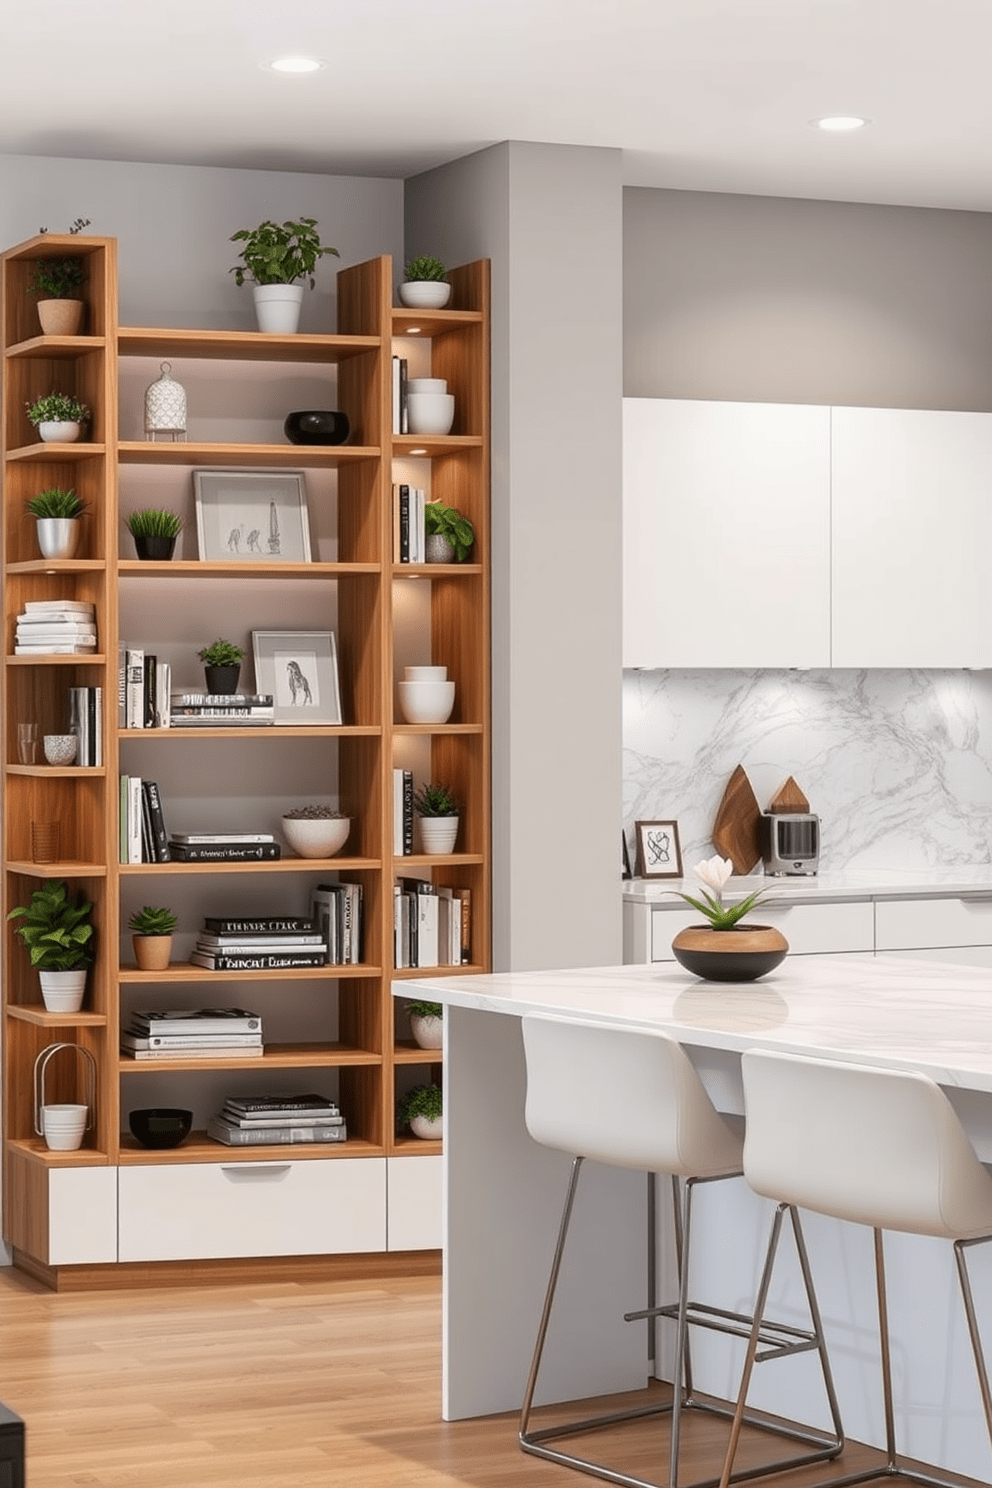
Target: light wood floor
x,y
314,1385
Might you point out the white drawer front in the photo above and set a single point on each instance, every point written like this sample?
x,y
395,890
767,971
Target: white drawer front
x,y
82,1216
810,929
414,1202
918,924
199,1210
949,955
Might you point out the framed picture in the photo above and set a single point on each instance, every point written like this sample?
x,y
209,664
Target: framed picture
x,y
658,852
252,516
300,669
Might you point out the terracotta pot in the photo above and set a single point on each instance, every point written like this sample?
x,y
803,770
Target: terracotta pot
x,y
739,955
152,952
61,317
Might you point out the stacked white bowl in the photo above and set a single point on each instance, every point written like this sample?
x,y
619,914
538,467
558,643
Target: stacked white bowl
x,y
64,1126
426,695
430,408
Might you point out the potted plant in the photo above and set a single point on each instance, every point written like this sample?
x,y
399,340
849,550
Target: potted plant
x,y
59,280
438,811
221,666
151,935
449,535
426,286
420,1109
58,933
154,533
724,950
427,1023
276,256
57,513
58,417
316,831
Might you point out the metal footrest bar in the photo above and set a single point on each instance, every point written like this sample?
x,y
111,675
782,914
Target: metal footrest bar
x,y
776,1340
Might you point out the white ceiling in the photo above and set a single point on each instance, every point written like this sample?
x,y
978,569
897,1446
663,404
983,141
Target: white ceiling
x,y
711,95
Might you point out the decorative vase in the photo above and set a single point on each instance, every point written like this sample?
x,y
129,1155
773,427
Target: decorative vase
x,y
221,679
428,1031
430,413
428,1130
438,833
741,954
152,952
437,549
316,426
63,991
61,317
277,308
59,431
58,537
316,836
154,549
425,294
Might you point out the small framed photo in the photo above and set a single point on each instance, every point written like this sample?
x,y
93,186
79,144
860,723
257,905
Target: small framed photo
x,y
252,516
300,669
658,852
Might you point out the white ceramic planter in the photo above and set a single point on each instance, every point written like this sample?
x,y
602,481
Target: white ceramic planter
x,y
430,413
438,834
63,991
426,701
60,431
425,294
315,837
277,308
63,1126
58,537
60,749
428,1032
430,1131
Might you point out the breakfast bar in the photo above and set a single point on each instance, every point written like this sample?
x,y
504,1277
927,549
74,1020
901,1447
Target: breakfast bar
x,y
503,1194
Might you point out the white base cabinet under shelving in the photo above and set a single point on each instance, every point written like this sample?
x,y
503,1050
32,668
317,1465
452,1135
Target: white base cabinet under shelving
x,y
414,1203
82,1216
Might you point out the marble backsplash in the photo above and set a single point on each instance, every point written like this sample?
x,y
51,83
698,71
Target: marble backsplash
x,y
897,764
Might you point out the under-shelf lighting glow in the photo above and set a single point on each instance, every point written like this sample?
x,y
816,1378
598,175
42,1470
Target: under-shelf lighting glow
x,y
418,452
840,123
294,64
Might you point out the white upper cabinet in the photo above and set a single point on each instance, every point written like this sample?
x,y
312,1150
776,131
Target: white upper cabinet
x,y
912,522
726,510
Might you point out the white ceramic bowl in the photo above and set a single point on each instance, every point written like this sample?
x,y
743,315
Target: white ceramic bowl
x,y
427,702
316,837
60,749
425,294
426,385
430,413
426,673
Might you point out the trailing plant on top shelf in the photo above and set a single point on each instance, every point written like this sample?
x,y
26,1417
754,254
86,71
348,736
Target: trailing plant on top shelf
x,y
152,523
279,253
56,930
54,502
57,408
445,521
425,269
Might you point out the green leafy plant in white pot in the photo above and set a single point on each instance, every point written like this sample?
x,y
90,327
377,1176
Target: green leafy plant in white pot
x,y
57,512
58,933
425,286
59,417
438,811
426,1024
449,535
278,257
421,1110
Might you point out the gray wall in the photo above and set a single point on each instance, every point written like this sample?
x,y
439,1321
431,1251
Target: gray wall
x,y
174,223
747,297
544,215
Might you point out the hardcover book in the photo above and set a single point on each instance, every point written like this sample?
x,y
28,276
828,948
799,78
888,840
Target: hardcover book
x,y
258,924
307,1101
253,852
265,961
237,1136
198,1020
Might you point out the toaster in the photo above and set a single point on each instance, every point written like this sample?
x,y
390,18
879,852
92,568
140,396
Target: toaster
x,y
790,842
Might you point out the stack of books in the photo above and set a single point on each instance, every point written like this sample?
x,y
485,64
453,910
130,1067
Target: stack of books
x,y
223,847
432,924
143,684
227,945
56,627
337,910
221,710
256,1120
204,1033
143,837
409,534
86,722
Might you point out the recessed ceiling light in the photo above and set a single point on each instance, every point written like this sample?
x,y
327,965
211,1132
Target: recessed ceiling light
x,y
294,64
840,123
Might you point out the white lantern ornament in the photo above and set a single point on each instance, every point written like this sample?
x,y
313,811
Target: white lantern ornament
x,y
165,407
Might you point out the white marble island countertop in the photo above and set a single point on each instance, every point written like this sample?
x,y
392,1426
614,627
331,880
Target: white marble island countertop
x,y
974,881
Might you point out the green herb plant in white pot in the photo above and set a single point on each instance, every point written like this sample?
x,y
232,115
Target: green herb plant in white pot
x,y
278,258
57,514
426,1024
421,1110
438,812
59,417
425,286
58,933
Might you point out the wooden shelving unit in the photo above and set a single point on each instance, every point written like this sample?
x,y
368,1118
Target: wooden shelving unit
x,y
344,1029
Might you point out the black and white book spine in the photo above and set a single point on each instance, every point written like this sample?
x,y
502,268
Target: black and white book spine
x,y
160,837
122,686
149,686
180,1041
147,837
134,799
407,813
267,961
163,681
259,924
404,407
234,1136
273,1118
95,716
245,944
397,421
306,1101
206,1020
397,813
255,852
135,688
404,524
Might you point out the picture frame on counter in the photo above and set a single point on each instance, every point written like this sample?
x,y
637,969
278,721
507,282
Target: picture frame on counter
x,y
251,516
300,669
659,852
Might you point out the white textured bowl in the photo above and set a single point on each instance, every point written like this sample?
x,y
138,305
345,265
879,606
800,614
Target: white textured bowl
x,y
425,673
430,413
60,749
425,294
426,385
427,702
316,837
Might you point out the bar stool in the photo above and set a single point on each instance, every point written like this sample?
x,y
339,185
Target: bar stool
x,y
878,1147
652,1114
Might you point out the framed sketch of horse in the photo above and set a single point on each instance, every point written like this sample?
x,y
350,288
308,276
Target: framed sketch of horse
x,y
300,669
251,516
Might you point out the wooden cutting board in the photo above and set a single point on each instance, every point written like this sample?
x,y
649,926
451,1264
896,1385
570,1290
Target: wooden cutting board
x,y
735,830
788,798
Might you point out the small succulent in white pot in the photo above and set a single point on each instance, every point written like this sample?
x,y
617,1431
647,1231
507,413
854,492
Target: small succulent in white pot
x,y
316,831
426,1024
58,417
421,1110
425,286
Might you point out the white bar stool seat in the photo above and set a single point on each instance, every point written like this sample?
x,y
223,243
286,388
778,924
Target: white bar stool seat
x,y
652,1114
877,1147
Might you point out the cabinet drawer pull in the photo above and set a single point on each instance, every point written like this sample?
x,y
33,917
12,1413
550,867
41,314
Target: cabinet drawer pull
x,y
259,1172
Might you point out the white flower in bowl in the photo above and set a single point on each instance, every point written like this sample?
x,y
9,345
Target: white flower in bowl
x,y
714,872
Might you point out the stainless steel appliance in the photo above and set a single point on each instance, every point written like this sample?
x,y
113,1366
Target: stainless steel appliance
x,y
790,843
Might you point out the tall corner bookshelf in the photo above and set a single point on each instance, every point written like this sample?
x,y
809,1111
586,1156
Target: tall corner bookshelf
x,y
336,1029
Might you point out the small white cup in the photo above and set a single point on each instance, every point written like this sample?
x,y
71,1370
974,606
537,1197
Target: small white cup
x,y
426,673
64,1126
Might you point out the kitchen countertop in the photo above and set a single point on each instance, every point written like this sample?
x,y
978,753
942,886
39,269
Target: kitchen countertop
x,y
973,881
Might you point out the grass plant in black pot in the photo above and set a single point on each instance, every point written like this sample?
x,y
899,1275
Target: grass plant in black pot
x,y
154,533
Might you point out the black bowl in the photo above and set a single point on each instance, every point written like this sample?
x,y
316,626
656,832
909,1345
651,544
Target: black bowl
x,y
729,966
317,426
160,1126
